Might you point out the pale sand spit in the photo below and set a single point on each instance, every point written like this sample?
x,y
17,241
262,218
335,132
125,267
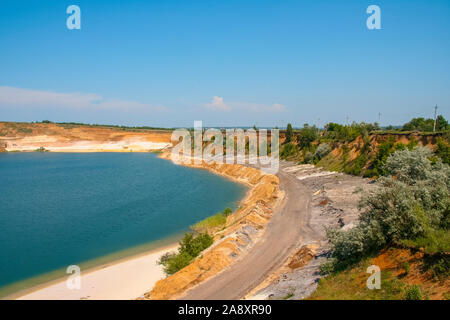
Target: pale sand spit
x,y
124,280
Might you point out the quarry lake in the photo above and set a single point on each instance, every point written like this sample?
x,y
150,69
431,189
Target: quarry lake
x,y
60,209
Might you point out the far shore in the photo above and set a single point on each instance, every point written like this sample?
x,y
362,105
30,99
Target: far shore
x,y
125,279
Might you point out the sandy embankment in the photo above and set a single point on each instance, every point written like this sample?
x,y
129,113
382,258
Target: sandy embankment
x,y
132,144
243,229
80,138
124,280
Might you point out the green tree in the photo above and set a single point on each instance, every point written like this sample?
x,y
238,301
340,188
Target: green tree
x,y
420,124
441,123
227,212
307,135
289,133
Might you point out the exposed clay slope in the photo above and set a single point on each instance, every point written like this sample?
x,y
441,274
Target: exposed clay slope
x,y
242,230
80,138
358,157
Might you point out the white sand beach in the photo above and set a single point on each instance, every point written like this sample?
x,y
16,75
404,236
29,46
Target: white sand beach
x,y
124,280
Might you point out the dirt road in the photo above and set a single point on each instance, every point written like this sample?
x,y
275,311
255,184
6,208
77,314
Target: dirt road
x,y
288,227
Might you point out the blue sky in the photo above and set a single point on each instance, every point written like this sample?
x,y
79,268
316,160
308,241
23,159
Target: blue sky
x,y
228,63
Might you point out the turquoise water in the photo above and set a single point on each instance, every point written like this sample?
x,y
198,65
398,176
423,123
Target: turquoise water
x,y
59,209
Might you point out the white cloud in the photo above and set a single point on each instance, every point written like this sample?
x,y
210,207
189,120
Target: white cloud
x,y
217,104
11,96
276,107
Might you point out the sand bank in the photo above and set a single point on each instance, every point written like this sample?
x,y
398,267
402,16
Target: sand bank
x,y
135,145
123,280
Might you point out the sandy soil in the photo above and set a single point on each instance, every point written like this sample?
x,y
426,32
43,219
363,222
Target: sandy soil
x,y
134,144
64,138
123,280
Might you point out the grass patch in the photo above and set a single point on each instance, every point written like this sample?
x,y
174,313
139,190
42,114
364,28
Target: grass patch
x,y
331,163
434,241
216,221
288,296
350,284
413,292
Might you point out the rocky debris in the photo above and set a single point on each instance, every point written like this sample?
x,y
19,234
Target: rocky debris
x,y
297,279
302,256
334,204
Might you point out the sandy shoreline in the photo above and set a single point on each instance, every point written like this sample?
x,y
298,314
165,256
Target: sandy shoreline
x,y
124,279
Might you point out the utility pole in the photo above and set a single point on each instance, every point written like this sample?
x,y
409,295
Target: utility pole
x,y
379,117
435,114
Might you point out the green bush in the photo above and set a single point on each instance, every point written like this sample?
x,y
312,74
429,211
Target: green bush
x,y
413,292
327,267
177,262
384,150
439,264
41,149
433,241
193,245
190,247
443,151
308,157
322,151
227,212
410,203
289,150
406,267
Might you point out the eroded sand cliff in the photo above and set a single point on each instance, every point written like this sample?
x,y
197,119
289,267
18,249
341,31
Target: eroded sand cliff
x,y
243,228
80,138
